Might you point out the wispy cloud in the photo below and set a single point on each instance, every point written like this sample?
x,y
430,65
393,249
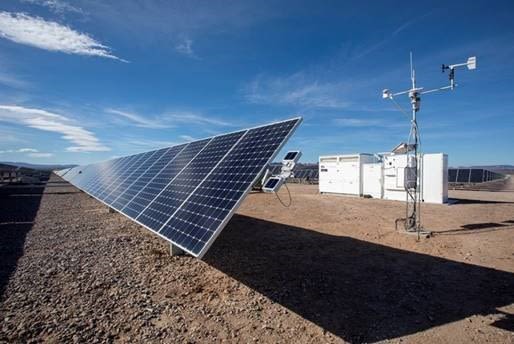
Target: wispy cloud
x,y
83,140
185,47
357,122
368,122
56,6
7,79
138,120
40,155
31,152
187,138
186,117
296,90
135,144
390,36
168,119
20,150
52,36
27,150
161,22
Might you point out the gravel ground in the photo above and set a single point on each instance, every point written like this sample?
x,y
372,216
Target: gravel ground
x,y
327,269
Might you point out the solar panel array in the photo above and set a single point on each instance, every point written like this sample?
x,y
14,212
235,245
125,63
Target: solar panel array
x,y
472,175
303,173
186,193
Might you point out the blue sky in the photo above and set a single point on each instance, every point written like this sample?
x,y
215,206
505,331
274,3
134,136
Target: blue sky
x,y
87,80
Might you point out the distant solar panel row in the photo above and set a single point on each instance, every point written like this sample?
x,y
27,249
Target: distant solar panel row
x,y
185,193
472,175
307,172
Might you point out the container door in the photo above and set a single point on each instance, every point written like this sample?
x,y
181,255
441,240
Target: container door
x,y
350,175
329,179
372,180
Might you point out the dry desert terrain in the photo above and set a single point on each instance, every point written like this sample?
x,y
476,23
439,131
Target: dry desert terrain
x,y
327,269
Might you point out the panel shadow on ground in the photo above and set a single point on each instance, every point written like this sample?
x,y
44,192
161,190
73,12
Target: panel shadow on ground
x,y
19,206
357,290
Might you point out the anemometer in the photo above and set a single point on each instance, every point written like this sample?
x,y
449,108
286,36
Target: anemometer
x,y
412,220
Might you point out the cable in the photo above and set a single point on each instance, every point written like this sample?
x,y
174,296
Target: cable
x,y
290,198
400,108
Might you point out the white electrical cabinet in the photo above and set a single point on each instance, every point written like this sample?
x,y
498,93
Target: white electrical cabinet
x,y
435,178
343,173
394,177
364,174
433,183
372,180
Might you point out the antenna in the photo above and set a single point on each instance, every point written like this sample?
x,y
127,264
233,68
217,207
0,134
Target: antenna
x,y
412,148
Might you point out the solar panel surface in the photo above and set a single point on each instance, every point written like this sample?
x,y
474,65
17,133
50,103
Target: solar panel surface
x,y
452,175
290,155
186,193
463,175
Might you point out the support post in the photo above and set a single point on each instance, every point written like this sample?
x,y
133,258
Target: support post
x,y
176,251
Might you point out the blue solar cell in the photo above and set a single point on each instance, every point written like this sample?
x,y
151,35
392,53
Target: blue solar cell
x,y
463,175
476,175
171,197
103,172
134,172
107,174
120,174
144,178
157,184
186,193
207,209
452,175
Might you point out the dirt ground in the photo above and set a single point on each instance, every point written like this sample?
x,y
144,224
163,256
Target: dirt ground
x,y
326,269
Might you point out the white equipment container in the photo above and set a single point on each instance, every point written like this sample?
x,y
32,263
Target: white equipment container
x,y
435,178
343,173
434,174
372,180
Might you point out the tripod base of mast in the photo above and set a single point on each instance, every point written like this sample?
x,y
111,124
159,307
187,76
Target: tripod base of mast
x,y
411,228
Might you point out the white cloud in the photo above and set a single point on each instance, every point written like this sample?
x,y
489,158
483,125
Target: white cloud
x,y
368,122
27,150
83,140
296,90
187,138
133,143
48,35
195,118
185,46
169,119
40,155
21,150
56,6
31,152
140,121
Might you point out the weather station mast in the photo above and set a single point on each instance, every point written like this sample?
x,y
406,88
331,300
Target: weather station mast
x,y
412,149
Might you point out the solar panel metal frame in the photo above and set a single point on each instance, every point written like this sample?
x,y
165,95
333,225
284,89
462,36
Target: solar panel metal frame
x,y
236,206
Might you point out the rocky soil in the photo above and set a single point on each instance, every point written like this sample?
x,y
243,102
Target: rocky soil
x,y
327,269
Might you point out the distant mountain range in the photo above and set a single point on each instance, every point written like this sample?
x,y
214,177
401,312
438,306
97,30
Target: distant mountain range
x,y
43,167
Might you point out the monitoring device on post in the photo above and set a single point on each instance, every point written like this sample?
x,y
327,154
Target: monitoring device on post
x,y
273,183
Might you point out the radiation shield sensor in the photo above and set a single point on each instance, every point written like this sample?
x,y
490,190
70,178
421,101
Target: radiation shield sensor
x,y
273,184
292,156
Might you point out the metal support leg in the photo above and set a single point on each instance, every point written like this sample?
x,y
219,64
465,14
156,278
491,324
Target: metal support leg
x,y
176,251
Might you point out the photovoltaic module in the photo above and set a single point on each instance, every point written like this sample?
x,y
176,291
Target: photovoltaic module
x,y
185,193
